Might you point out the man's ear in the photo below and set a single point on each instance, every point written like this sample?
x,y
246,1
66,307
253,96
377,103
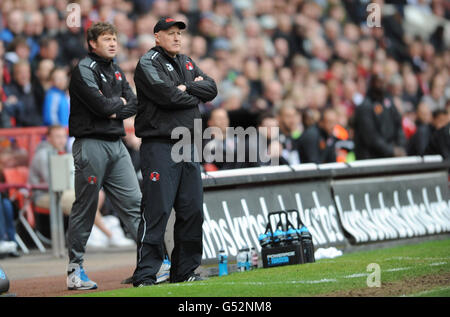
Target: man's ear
x,y
93,44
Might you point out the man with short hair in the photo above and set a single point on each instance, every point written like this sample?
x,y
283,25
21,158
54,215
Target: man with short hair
x,y
100,99
289,122
223,145
169,88
24,109
378,124
317,143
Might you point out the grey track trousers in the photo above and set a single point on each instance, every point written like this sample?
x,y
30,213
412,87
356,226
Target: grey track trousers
x,y
101,164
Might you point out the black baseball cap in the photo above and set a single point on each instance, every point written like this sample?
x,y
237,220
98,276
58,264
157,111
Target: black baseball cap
x,y
165,23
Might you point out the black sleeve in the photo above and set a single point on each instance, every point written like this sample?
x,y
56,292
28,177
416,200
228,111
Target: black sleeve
x,y
130,108
309,147
440,142
368,132
400,135
205,89
84,86
152,81
330,156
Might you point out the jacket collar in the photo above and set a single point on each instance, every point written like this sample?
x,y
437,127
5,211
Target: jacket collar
x,y
163,51
100,59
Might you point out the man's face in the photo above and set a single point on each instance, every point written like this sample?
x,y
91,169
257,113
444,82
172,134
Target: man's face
x,y
289,119
22,74
267,125
60,79
58,139
329,122
170,40
219,118
105,46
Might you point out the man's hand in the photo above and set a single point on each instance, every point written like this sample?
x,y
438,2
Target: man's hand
x,y
182,87
113,116
123,100
398,151
198,78
12,100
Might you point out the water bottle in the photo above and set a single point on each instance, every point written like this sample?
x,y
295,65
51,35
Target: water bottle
x,y
240,259
265,240
307,245
223,263
291,236
254,258
278,236
248,256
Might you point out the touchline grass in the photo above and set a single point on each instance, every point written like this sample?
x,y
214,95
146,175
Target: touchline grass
x,y
326,276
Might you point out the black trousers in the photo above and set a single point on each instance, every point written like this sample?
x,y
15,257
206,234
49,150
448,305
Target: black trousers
x,y
166,185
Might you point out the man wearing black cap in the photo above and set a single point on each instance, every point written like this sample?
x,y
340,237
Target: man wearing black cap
x,y
169,88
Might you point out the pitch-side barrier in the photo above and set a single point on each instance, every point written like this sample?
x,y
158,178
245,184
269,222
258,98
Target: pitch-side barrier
x,y
361,202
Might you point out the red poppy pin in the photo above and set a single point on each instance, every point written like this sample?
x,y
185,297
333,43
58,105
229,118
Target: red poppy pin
x,y
118,75
154,176
92,180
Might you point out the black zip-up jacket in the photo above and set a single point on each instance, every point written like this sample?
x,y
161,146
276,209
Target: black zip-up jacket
x,y
316,146
95,89
378,128
161,105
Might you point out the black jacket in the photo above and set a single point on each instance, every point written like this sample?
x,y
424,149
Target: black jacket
x,y
440,142
315,146
161,105
378,128
418,143
95,89
26,110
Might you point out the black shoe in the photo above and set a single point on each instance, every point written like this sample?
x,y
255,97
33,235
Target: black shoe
x,y
194,278
128,280
144,284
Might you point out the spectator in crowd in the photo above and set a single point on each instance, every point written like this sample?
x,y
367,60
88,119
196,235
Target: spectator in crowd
x,y
418,143
33,30
437,99
317,143
440,119
56,102
41,81
268,149
17,50
222,151
24,108
411,92
289,122
310,117
72,46
262,54
56,143
8,244
5,120
378,127
15,24
49,49
440,140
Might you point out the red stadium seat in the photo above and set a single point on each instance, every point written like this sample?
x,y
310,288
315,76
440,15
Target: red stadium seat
x,y
20,191
19,176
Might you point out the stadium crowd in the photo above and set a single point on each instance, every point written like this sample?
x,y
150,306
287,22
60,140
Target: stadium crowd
x,y
289,59
303,66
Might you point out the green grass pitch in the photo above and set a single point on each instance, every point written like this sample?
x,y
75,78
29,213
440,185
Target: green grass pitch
x,y
324,277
